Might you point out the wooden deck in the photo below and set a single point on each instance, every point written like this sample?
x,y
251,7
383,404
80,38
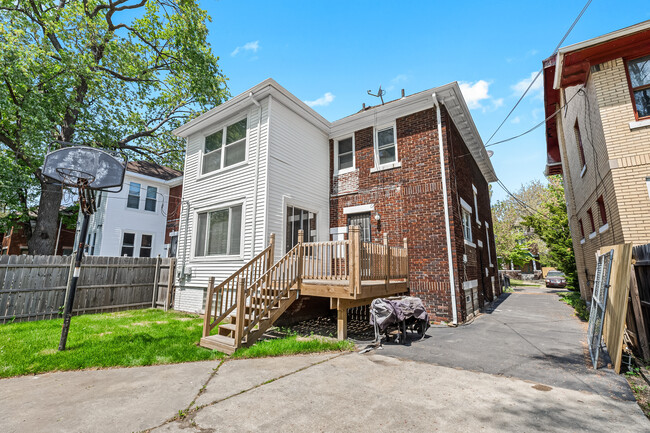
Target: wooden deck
x,y
351,273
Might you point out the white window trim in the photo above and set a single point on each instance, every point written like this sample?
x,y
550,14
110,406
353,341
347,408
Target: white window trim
x,y
153,239
155,199
470,284
582,241
470,244
639,124
479,243
126,205
336,156
592,235
465,205
194,234
223,127
584,170
357,209
135,242
487,241
387,166
301,206
603,228
647,183
476,205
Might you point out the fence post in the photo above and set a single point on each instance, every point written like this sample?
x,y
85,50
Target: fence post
x,y
355,258
170,282
301,240
241,311
156,276
208,308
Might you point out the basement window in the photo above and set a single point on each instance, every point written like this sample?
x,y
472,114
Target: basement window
x,y
639,80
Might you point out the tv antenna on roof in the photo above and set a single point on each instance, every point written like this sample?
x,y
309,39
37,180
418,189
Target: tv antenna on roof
x,y
88,170
380,94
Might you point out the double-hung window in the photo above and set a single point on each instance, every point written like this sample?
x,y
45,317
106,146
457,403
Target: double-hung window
x,y
601,208
639,74
386,146
345,154
581,148
219,232
225,147
145,245
591,220
150,202
128,244
467,225
133,201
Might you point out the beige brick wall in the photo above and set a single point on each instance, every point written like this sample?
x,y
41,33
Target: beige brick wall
x,y
618,162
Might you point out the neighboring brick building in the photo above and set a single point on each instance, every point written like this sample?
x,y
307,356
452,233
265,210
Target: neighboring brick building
x,y
600,142
174,211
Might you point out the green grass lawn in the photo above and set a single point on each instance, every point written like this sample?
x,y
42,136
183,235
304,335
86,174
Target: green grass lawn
x,y
573,299
125,339
528,283
128,338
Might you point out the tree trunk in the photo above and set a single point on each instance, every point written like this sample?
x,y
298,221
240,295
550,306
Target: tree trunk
x,y
44,234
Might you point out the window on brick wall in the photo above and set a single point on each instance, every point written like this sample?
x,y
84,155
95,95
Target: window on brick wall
x,y
591,220
582,228
345,155
581,149
638,71
385,146
601,208
467,225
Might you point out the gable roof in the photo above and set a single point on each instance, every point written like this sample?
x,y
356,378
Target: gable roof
x,y
449,94
153,170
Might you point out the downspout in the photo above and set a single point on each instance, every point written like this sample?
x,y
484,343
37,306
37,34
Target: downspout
x,y
186,235
452,280
257,169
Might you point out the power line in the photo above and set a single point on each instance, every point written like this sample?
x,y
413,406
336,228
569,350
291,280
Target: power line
x,y
541,70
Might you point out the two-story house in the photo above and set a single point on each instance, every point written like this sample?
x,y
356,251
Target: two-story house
x,y
133,222
416,168
599,140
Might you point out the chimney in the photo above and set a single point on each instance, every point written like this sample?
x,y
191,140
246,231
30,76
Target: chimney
x,y
402,93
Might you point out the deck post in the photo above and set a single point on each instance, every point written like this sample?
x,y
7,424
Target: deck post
x,y
301,240
208,308
269,261
386,259
241,310
341,321
406,247
354,234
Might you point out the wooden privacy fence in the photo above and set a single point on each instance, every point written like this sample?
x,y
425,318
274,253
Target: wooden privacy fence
x,y
34,287
638,314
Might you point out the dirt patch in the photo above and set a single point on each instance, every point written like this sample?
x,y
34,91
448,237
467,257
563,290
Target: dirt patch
x,y
47,352
540,387
105,333
140,324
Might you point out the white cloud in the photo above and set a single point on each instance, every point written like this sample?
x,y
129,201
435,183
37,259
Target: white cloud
x,y
536,90
323,101
249,46
515,120
477,95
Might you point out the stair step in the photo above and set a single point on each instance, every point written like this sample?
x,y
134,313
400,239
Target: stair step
x,y
219,342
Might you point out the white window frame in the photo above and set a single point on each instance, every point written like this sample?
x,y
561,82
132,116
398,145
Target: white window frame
x,y
213,208
295,204
487,240
155,199
224,129
135,242
387,165
128,194
337,170
476,205
153,238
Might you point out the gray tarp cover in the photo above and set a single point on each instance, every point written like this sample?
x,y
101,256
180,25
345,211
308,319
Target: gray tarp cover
x,y
390,311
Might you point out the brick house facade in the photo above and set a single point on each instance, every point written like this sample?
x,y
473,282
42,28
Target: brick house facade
x,y
409,202
600,141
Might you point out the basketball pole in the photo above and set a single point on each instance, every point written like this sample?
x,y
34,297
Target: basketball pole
x,y
69,300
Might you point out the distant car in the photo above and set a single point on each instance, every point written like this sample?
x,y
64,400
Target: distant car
x,y
555,279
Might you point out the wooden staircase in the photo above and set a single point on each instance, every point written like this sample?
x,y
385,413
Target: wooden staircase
x,y
248,302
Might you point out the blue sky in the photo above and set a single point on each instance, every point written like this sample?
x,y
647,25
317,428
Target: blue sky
x,y
331,53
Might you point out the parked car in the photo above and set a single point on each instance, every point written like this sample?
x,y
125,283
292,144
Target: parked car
x,y
555,279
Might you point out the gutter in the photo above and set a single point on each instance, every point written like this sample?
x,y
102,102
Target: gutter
x,y
257,169
452,281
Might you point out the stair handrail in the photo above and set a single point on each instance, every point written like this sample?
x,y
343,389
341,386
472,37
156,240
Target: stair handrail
x,y
288,266
264,259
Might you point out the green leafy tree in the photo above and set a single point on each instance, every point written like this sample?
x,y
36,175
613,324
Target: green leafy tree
x,y
552,225
117,74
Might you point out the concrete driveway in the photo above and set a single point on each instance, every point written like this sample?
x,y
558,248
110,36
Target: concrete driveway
x,y
459,380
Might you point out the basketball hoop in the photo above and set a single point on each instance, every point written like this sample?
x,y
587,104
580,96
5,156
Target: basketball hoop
x,y
88,169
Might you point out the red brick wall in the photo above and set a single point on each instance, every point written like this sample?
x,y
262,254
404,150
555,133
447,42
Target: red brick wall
x,y
409,202
173,210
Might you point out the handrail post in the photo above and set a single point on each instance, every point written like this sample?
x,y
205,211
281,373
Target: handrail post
x,y
386,259
269,259
299,271
208,308
241,310
406,251
355,259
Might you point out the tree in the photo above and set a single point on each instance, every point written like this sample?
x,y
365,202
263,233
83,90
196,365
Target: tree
x,y
118,74
514,240
552,226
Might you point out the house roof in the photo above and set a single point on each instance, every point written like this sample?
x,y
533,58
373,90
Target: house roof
x,y
449,94
153,170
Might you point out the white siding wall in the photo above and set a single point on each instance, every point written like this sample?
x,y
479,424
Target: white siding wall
x,y
117,219
298,172
231,185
